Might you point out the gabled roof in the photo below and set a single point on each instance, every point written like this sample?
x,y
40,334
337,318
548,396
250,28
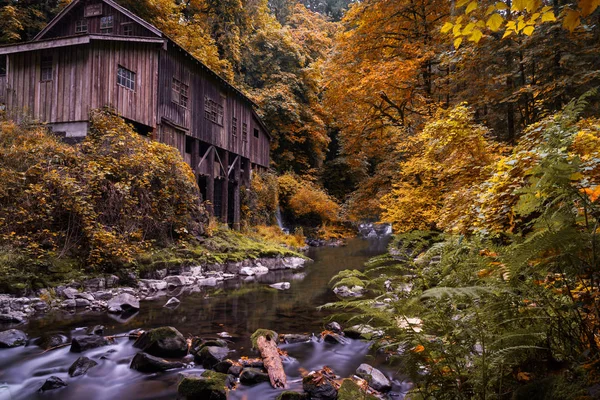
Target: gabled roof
x,y
111,3
151,28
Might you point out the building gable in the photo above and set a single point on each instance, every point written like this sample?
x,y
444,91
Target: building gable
x,y
97,17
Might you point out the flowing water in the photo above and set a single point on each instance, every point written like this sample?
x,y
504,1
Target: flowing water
x,y
238,307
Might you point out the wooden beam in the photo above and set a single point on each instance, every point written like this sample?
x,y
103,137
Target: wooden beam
x,y
233,164
46,44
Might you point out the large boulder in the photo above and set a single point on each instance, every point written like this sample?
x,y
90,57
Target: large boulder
x,y
209,356
377,380
144,362
179,280
51,340
253,376
54,382
162,342
295,338
81,366
80,344
12,338
210,385
123,302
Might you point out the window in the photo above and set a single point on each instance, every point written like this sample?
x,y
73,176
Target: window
x,y
106,24
2,66
234,125
93,10
213,111
126,78
81,26
128,29
244,132
255,132
180,93
46,69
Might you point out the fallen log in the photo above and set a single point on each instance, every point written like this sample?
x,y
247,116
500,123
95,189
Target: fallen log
x,y
266,343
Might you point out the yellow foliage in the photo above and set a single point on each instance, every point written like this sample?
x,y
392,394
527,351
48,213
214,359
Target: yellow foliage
x,y
306,202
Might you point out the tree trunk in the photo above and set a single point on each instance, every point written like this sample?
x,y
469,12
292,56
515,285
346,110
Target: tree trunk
x,y
272,361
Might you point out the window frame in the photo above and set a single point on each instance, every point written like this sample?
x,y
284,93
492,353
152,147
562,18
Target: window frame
x,y
47,68
81,26
244,132
180,93
107,24
213,111
124,27
126,78
256,133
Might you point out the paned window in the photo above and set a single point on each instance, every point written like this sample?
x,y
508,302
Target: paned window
x,y
126,78
46,69
106,24
234,127
180,93
128,29
81,26
213,111
244,132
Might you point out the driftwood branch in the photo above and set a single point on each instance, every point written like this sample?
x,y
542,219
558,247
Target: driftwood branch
x,y
272,361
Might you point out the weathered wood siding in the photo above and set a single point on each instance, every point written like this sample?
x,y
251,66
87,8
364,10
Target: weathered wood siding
x,y
84,78
174,63
68,23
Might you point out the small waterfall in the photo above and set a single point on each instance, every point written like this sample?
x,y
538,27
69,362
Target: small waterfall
x,y
280,220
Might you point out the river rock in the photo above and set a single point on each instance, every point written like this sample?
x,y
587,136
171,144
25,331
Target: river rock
x,y
223,366
144,362
80,344
253,376
84,295
123,302
54,382
295,338
293,262
69,303
94,284
162,342
365,332
152,285
209,356
334,327
345,291
16,317
319,389
260,270
81,366
235,370
247,271
111,281
334,338
179,280
103,295
82,303
349,390
12,338
51,340
289,395
210,385
69,293
281,285
377,380
95,330
173,302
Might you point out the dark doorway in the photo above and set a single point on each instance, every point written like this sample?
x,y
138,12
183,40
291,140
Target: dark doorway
x,y
202,184
218,204
230,204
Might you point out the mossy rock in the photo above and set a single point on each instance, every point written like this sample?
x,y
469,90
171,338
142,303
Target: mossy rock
x,y
351,391
162,342
289,395
263,332
210,385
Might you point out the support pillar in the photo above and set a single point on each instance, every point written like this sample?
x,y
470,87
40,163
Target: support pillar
x,y
237,207
195,157
210,181
225,187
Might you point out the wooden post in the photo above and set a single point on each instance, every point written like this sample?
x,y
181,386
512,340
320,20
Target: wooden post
x,y
195,157
210,181
225,187
236,194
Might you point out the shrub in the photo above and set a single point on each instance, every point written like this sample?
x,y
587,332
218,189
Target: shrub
x,y
305,203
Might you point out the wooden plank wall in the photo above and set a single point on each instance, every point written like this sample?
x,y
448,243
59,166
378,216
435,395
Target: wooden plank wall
x,y
175,63
66,27
85,77
2,89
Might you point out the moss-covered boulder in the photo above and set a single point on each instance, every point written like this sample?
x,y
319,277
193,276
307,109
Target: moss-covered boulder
x,y
319,387
351,391
253,376
263,332
210,356
210,385
162,342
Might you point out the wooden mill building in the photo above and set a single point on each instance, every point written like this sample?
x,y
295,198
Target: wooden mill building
x,y
96,53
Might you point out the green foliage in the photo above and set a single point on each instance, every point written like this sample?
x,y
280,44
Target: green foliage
x,y
101,203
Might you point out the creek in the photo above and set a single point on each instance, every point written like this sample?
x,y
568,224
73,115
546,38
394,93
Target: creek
x,y
237,307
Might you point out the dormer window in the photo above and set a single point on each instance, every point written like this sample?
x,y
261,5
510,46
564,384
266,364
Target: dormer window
x,y
106,24
81,26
